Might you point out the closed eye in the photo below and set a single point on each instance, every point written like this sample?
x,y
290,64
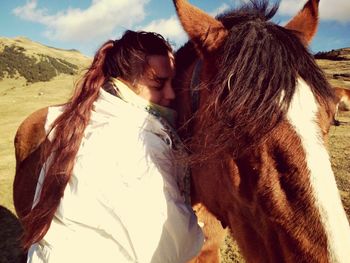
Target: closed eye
x,y
158,87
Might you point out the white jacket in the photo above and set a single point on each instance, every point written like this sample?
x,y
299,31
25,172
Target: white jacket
x,y
122,203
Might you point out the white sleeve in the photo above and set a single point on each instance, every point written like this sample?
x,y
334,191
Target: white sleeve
x,y
39,186
182,237
160,226
173,234
52,114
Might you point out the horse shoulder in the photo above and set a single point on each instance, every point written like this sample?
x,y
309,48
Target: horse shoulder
x,y
30,134
343,98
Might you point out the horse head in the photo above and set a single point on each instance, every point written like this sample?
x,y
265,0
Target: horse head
x,y
259,135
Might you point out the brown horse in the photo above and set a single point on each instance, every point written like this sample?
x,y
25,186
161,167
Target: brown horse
x,y
259,161
342,102
258,136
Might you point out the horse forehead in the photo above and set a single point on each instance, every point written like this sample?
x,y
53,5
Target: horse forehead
x,y
305,109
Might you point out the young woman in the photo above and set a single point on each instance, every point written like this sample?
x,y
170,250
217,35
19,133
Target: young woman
x,y
110,188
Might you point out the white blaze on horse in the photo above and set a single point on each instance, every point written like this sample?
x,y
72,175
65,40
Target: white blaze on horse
x,y
259,160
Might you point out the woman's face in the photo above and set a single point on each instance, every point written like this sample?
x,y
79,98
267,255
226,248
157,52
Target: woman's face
x,y
155,84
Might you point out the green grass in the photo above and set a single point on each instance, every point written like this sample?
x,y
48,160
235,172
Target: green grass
x,y
16,102
340,157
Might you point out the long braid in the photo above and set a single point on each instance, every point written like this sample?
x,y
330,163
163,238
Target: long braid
x,y
68,131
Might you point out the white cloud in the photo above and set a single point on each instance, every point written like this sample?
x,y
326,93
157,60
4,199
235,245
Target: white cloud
x,y
169,28
329,10
290,7
100,20
335,10
224,7
30,12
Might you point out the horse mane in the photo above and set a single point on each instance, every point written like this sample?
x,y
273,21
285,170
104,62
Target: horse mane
x,y
257,70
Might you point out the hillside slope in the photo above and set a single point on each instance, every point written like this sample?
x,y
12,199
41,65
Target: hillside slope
x,y
21,57
336,65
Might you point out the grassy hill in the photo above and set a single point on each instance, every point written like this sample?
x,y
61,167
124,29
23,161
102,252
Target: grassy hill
x,y
35,49
22,92
34,62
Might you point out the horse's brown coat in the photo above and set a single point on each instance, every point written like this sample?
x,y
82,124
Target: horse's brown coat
x,y
264,194
28,144
342,102
343,98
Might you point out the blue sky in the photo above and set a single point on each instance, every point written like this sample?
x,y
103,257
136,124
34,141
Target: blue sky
x,y
86,24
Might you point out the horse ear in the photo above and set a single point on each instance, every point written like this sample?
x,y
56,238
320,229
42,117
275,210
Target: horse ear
x,y
205,32
306,21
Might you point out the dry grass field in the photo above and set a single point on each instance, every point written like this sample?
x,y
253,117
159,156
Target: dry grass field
x,y
18,99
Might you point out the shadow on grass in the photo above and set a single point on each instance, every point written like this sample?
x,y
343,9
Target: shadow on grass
x,y
10,232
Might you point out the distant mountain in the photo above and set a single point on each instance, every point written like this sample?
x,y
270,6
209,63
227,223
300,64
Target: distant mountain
x,y
21,57
336,65
334,54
